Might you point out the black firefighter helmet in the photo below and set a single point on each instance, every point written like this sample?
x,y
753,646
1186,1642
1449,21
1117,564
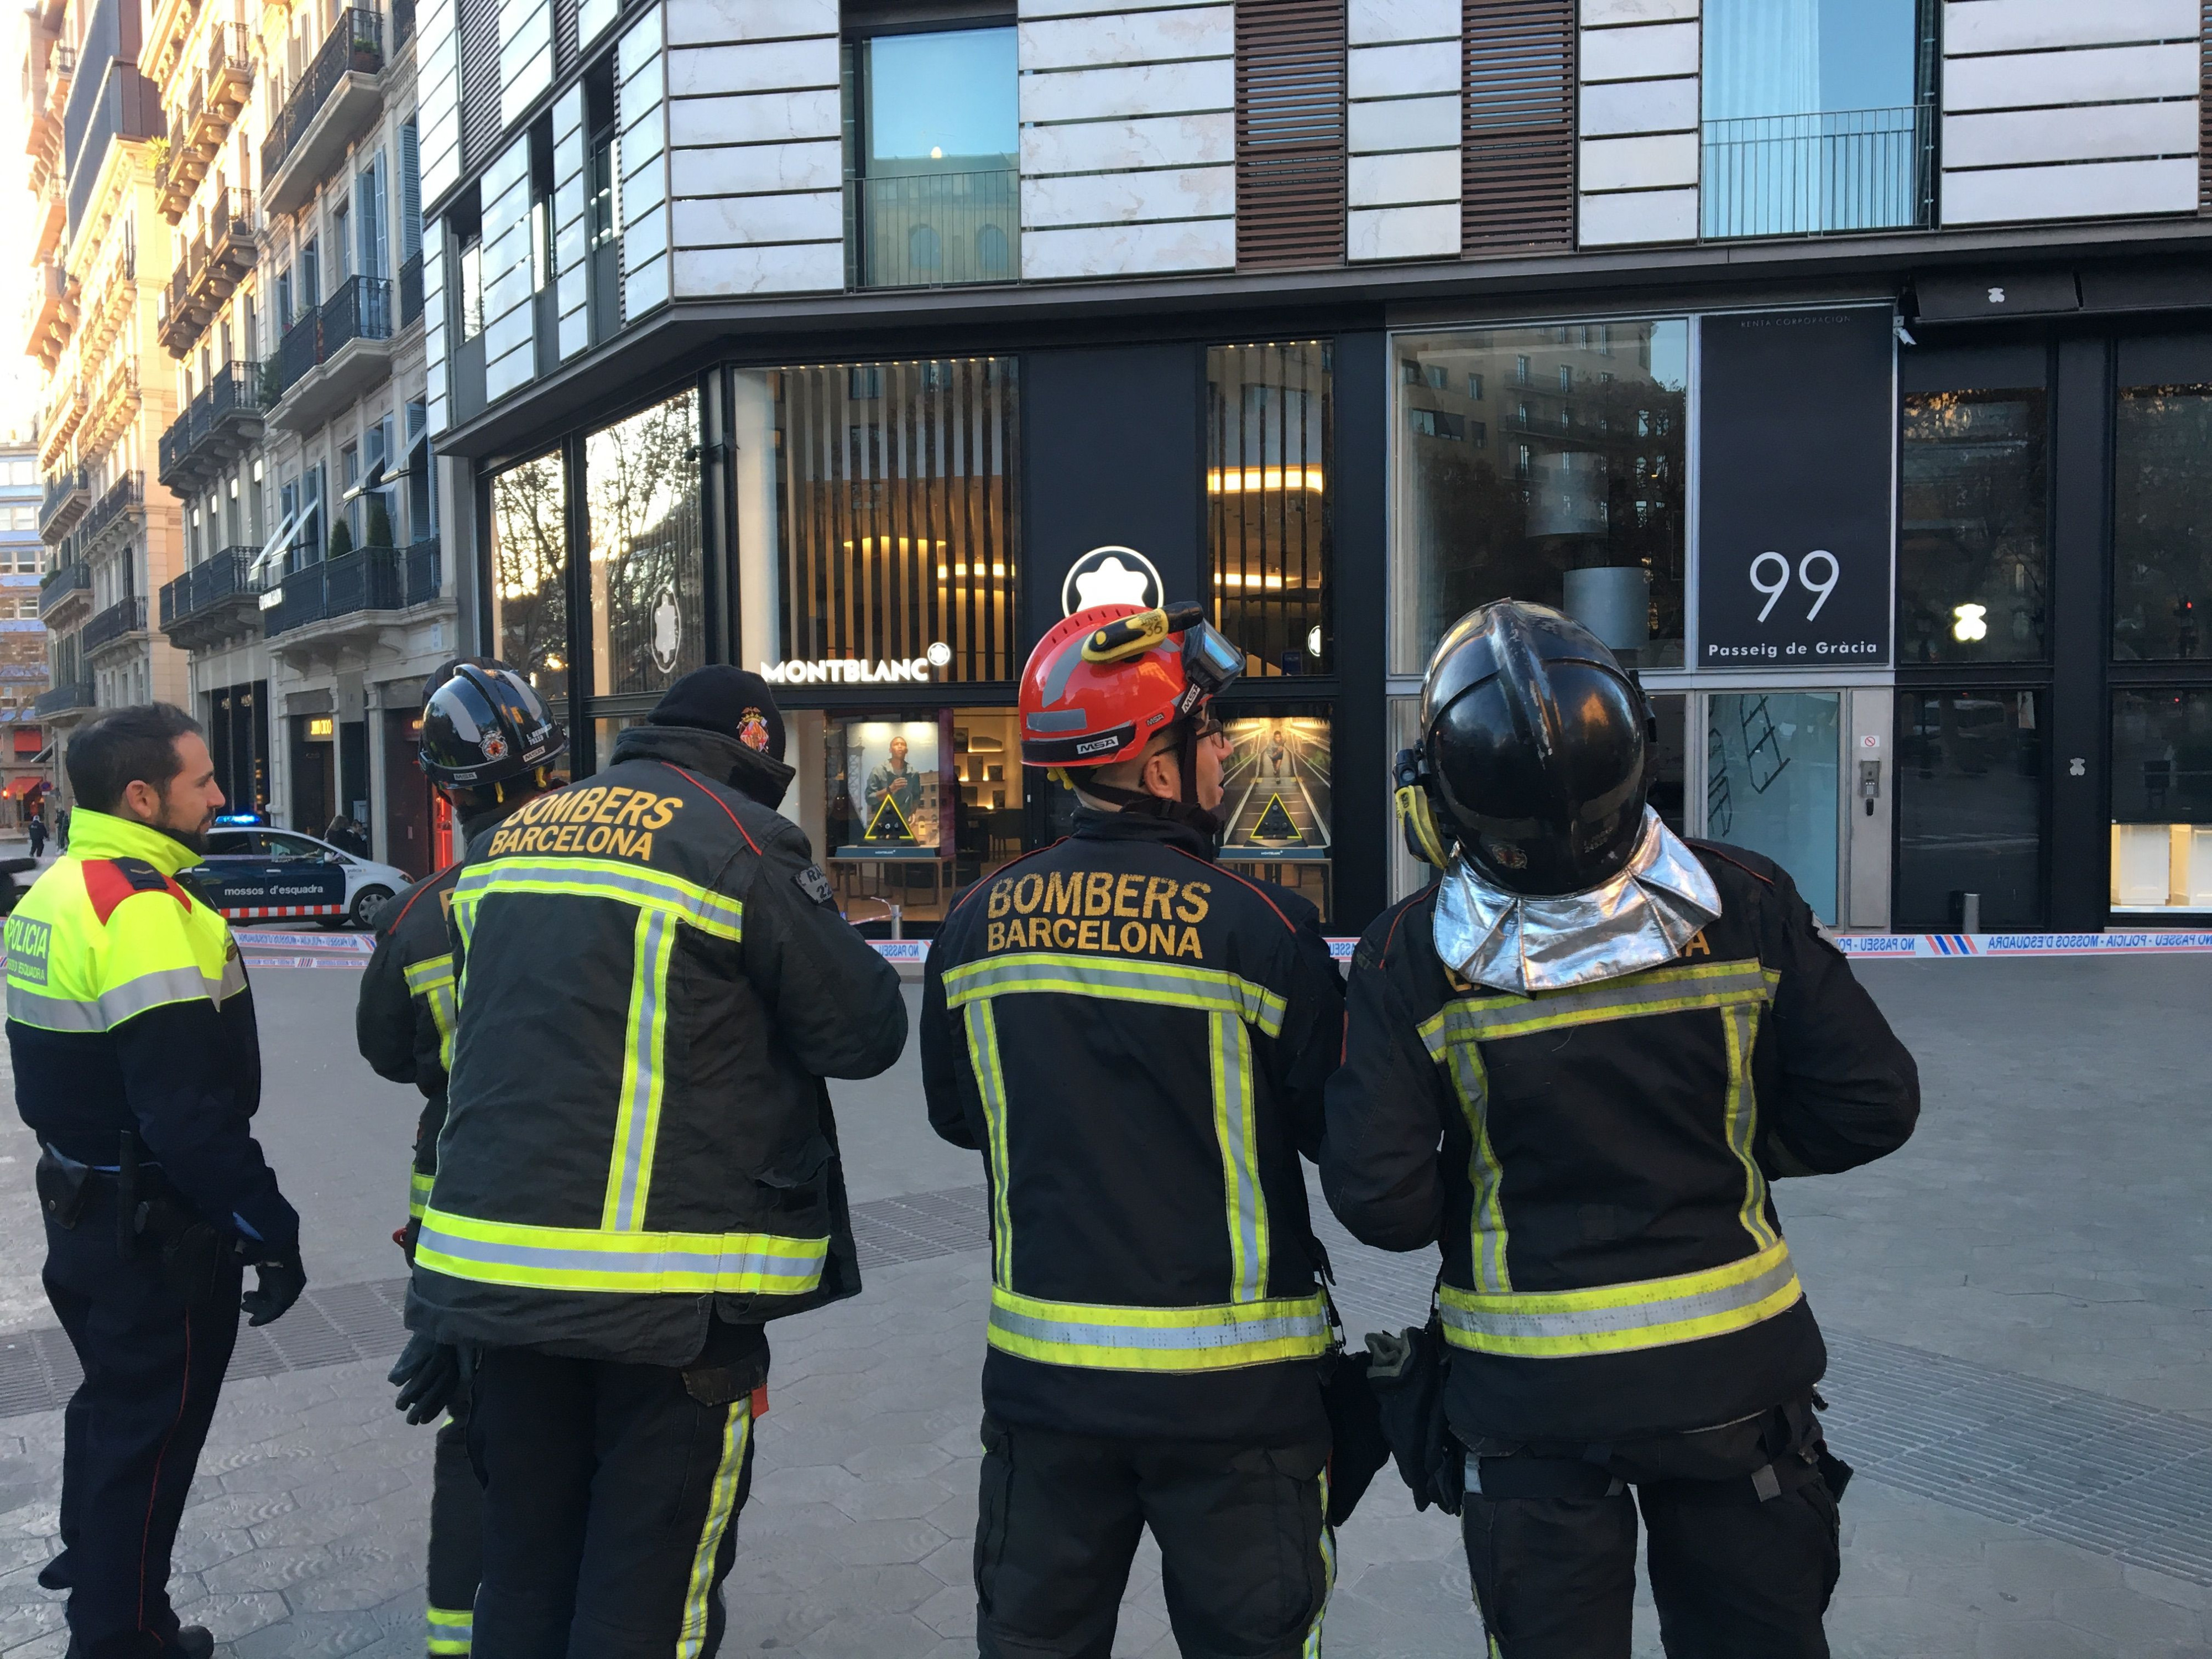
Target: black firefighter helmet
x,y
483,723
1534,754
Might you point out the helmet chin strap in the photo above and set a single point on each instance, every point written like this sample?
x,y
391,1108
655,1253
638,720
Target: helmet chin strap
x,y
1184,810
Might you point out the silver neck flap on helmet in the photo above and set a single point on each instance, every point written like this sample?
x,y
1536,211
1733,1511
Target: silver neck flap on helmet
x,y
1641,918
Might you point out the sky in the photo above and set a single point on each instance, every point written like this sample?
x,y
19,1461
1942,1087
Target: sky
x,y
20,380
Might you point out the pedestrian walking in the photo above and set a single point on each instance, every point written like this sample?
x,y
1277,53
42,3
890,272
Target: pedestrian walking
x,y
404,1026
1137,1039
639,1167
36,831
137,1064
1619,1039
62,829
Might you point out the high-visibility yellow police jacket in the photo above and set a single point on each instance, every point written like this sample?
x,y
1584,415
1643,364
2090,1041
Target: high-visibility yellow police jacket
x,y
128,1009
1136,1039
652,981
1613,1260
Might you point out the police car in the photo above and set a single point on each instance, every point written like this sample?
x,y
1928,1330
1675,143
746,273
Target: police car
x,y
253,873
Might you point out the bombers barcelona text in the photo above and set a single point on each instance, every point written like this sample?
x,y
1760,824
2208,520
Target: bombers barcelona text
x,y
597,819
1097,910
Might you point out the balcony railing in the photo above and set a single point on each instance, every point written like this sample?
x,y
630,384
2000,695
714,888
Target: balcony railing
x,y
218,581
66,495
423,571
925,229
366,579
63,582
360,310
216,426
411,289
1818,175
126,617
210,270
354,46
127,492
73,694
403,23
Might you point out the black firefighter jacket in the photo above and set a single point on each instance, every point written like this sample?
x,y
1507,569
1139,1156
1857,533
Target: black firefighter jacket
x,y
404,1020
1595,1160
652,982
1137,1039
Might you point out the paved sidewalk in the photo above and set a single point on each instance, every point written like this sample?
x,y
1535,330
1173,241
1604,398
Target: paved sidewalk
x,y
2018,1303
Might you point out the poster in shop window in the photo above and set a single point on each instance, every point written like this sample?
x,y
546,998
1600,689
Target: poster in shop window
x,y
1797,428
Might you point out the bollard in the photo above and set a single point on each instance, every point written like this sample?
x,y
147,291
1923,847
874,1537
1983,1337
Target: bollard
x,y
1970,913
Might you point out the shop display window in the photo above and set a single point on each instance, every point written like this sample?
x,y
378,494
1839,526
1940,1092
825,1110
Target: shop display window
x,y
1546,464
529,575
1268,433
1972,568
2162,529
1773,768
877,533
1276,800
1670,762
2162,800
642,498
1969,784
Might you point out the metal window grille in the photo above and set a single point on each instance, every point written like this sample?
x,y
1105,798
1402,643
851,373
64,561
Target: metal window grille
x,y
1290,123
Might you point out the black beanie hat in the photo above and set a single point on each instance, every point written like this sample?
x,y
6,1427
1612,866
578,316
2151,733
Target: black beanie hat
x,y
727,700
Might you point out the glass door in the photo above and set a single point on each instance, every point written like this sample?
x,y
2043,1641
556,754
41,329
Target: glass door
x,y
1773,772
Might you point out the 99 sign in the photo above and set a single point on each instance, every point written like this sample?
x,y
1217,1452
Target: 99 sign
x,y
1779,567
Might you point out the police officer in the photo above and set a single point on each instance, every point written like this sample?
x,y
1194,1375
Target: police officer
x,y
1136,1039
1620,1039
639,1167
137,1063
403,1024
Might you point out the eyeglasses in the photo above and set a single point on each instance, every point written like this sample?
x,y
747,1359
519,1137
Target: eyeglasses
x,y
1210,729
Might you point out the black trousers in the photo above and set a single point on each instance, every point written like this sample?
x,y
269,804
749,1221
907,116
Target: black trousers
x,y
1247,1557
1741,1567
611,1496
132,1432
456,1536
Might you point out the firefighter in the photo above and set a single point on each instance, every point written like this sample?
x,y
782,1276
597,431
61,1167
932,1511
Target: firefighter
x,y
138,1065
639,1167
1136,1039
1619,1039
404,1025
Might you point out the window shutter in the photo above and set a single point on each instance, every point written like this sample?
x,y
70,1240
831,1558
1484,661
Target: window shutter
x,y
2203,110
1517,153
411,192
1290,132
480,90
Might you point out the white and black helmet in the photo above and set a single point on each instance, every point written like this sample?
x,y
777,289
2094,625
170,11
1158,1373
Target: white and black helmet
x,y
483,723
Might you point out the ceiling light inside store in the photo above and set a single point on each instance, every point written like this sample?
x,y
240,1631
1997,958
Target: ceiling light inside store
x,y
1251,480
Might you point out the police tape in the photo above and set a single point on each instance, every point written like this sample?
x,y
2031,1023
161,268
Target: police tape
x,y
1954,946
258,912
914,952
363,943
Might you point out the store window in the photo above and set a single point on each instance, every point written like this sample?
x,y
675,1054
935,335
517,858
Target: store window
x,y
529,574
1969,809
648,621
1972,568
1276,801
2162,541
1546,464
1268,431
877,521
1773,767
2162,800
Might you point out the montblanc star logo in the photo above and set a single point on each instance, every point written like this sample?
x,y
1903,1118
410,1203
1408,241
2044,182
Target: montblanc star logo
x,y
1110,575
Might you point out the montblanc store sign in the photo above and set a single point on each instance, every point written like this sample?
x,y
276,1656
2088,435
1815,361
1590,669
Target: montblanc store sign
x,y
856,670
1795,429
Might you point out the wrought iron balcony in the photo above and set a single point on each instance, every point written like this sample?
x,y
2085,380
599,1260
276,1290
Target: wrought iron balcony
x,y
212,600
315,370
411,289
218,426
60,699
115,625
339,84
366,579
126,494
210,270
1824,173
68,494
425,570
927,229
63,583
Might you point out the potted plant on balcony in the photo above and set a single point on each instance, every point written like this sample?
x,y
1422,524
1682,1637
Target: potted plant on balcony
x,y
341,542
367,47
379,524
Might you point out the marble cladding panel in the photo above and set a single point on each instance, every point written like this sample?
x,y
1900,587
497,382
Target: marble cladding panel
x,y
644,238
1405,124
1373,22
1605,13
639,45
1980,26
1159,141
1620,108
772,66
2088,190
1129,91
697,22
1036,9
1401,71
755,170
1411,177
1141,36
740,221
1101,198
787,268
1643,215
1129,250
755,119
510,370
2087,132
1430,232
1639,54
1644,163
594,18
2089,76
645,288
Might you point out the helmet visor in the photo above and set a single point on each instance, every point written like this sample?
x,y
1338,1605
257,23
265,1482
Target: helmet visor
x,y
1210,661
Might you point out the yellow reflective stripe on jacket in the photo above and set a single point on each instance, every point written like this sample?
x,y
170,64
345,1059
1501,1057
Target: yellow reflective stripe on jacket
x,y
1486,1216
991,1085
1210,1339
1657,991
432,980
1235,1126
1652,1313
418,1192
628,884
1740,1021
112,1006
721,1503
1210,989
637,1116
453,1630
632,1263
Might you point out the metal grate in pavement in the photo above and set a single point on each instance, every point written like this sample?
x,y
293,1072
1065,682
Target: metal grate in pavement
x,y
921,1225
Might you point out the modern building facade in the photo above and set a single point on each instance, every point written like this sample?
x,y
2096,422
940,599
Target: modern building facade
x,y
24,776
305,597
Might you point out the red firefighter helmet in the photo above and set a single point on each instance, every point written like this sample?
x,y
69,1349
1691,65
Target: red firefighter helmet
x,y
1105,680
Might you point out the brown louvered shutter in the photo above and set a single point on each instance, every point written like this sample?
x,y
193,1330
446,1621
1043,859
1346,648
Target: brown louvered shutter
x,y
478,26
1290,132
1518,151
2204,110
